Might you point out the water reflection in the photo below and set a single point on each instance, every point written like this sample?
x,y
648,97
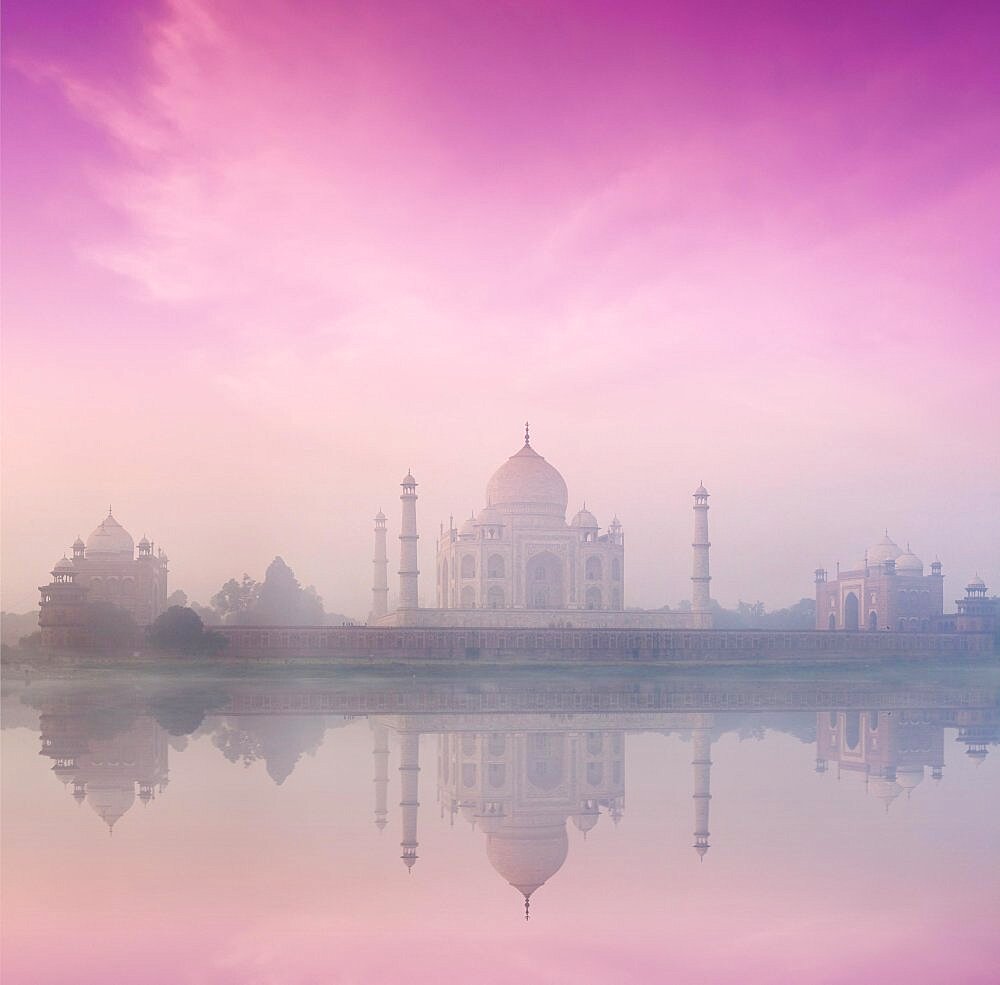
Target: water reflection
x,y
703,828
520,774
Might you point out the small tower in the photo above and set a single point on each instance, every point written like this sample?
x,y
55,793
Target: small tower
x,y
702,762
380,582
409,778
700,578
408,571
79,549
62,616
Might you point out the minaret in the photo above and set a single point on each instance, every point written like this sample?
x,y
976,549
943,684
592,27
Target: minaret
x,y
409,776
408,545
701,743
380,583
700,597
381,756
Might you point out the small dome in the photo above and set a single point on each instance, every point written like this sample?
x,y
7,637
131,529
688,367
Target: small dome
x,y
468,528
78,544
909,776
909,564
585,519
885,790
490,517
526,483
701,490
62,565
110,539
885,550
110,800
976,585
380,515
408,479
144,542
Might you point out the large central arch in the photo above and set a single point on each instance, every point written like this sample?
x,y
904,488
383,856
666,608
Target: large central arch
x,y
851,612
544,582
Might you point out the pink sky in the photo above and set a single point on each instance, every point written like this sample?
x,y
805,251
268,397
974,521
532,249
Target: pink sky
x,y
261,258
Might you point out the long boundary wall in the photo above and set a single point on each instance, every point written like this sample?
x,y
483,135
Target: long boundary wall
x,y
365,644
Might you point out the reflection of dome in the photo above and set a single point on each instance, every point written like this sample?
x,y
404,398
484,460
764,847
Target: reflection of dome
x,y
909,564
110,538
885,790
110,801
885,550
526,483
909,776
585,519
585,820
527,857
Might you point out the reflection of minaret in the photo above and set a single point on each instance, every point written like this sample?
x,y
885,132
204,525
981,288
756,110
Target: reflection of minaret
x,y
702,748
408,570
700,578
381,755
409,776
380,582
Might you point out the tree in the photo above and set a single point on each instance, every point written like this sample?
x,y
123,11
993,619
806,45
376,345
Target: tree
x,y
180,630
235,597
177,598
281,600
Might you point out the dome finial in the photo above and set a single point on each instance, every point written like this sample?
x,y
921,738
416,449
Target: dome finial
x,y
527,434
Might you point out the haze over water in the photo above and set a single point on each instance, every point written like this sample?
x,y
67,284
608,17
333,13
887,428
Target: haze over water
x,y
852,829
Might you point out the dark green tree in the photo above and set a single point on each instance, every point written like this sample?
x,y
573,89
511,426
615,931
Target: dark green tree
x,y
180,630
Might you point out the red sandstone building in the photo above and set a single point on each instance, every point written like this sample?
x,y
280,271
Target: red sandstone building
x,y
889,590
105,569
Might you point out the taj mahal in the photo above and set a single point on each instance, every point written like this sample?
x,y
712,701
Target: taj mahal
x,y
519,563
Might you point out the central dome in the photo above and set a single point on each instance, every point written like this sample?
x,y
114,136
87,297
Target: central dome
x,y
526,483
110,538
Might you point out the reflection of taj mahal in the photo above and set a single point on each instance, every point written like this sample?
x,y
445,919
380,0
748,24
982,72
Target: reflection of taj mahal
x,y
519,563
531,782
522,787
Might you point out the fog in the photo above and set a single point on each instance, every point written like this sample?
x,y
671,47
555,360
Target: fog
x,y
240,325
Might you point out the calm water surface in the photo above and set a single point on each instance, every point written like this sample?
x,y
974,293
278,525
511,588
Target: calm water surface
x,y
352,829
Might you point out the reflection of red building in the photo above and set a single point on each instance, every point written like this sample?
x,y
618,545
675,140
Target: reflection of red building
x,y
107,772
888,590
890,749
